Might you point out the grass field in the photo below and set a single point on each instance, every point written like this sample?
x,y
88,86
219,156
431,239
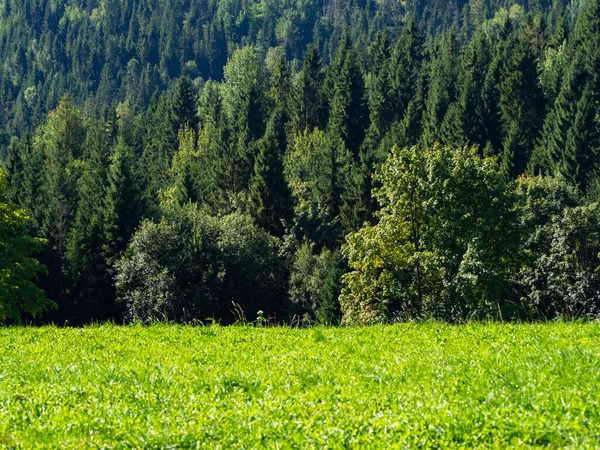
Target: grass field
x,y
414,385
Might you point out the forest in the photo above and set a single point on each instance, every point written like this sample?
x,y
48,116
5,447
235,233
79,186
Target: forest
x,y
298,161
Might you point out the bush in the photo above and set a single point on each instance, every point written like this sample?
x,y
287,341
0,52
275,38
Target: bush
x,y
18,269
444,245
192,266
456,240
561,243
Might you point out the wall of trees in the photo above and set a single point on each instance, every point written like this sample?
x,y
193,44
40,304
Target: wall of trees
x,y
219,152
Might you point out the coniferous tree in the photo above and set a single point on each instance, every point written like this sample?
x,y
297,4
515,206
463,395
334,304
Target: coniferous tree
x,y
270,199
521,105
570,136
62,141
311,108
158,149
442,90
14,168
345,86
244,107
280,80
184,105
83,260
120,210
19,294
378,87
405,68
553,142
581,154
464,123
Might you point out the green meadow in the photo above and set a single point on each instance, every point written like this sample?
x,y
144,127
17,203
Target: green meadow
x,y
399,386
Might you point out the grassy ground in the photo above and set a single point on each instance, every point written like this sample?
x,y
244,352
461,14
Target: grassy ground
x,y
425,385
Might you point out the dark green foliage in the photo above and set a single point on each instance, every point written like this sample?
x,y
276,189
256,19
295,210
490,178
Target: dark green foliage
x,y
405,67
561,247
311,108
270,196
315,284
19,294
192,266
85,264
184,105
120,211
442,89
521,106
158,149
345,89
272,119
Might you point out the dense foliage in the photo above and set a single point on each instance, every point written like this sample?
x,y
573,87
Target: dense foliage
x,y
455,240
180,157
18,269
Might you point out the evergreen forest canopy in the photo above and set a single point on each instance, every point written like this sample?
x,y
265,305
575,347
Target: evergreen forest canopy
x,y
332,161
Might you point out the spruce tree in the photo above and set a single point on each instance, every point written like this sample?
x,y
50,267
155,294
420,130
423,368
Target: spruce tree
x,y
311,110
464,123
158,148
280,80
378,88
270,198
442,89
552,145
120,211
521,103
347,113
407,57
14,168
83,260
581,154
184,105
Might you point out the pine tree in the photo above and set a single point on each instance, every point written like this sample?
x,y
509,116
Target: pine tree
x,y
120,213
378,87
586,40
553,142
184,105
280,79
183,168
581,154
311,108
464,124
407,58
270,199
521,105
83,260
159,145
347,114
442,90
14,168
62,141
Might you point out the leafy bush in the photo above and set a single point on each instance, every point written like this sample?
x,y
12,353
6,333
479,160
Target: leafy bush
x,y
455,240
18,269
192,266
443,245
561,244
